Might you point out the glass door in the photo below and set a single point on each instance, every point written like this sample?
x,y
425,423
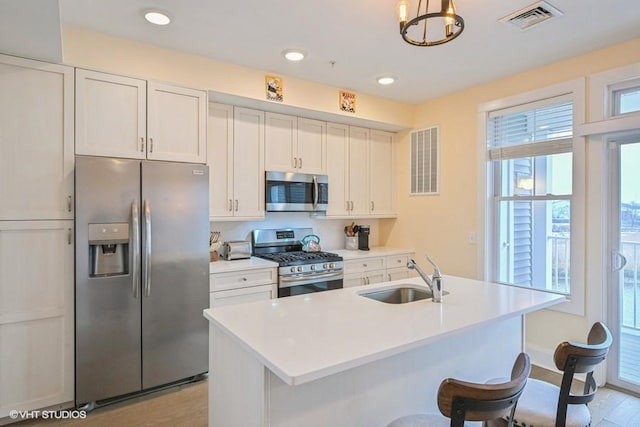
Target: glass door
x,y
625,263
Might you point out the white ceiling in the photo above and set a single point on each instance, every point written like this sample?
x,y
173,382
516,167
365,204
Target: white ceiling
x,y
362,37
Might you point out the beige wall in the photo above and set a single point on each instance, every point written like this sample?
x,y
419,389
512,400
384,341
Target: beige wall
x,y
121,56
439,225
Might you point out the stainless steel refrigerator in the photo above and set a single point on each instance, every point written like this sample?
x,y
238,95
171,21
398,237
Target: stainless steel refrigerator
x,y
142,275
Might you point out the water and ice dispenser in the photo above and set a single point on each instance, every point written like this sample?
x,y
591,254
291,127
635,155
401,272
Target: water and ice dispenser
x,y
108,249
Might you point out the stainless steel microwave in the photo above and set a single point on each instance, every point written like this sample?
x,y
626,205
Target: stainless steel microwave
x,y
296,192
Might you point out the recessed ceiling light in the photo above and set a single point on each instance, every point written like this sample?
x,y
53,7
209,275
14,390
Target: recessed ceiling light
x,y
157,17
293,54
386,80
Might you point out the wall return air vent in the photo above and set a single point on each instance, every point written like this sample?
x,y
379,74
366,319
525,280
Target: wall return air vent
x,y
532,15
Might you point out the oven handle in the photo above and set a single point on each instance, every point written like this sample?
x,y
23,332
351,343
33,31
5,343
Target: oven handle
x,y
287,282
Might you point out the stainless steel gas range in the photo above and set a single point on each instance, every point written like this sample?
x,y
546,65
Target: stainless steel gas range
x,y
300,272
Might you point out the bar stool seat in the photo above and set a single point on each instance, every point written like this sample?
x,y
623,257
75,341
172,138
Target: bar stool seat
x,y
539,403
461,401
546,405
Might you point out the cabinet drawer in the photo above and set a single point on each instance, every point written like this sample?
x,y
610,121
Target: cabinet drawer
x,y
242,279
363,265
398,261
239,296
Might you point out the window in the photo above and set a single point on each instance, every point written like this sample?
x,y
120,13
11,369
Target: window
x,y
626,97
530,155
425,166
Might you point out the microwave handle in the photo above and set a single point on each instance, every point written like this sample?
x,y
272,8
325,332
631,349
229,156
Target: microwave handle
x,y
315,192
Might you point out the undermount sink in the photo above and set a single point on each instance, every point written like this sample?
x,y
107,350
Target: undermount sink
x,y
401,294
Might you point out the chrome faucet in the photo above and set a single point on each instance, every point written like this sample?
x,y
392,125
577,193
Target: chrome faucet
x,y
434,283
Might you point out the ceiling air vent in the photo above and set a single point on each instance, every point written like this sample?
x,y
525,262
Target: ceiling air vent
x,y
531,15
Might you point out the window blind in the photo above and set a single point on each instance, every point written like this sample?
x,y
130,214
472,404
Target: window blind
x,y
541,128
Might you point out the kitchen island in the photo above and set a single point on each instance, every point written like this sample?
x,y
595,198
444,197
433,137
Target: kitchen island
x,y
339,359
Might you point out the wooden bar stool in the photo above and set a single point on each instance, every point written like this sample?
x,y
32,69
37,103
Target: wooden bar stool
x,y
460,400
546,405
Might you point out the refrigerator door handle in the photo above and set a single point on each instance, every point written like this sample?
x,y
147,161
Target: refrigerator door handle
x,y
135,242
146,261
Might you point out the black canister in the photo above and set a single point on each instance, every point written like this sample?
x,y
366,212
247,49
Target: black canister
x,y
363,237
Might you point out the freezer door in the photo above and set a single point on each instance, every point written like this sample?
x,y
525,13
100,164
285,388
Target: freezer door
x,y
108,343
175,267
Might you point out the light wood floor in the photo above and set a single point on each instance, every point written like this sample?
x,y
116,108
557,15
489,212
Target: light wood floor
x,y
187,406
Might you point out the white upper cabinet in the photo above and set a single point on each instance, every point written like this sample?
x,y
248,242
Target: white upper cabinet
x,y
281,142
176,123
111,115
235,139
358,171
361,169
294,144
381,174
248,163
338,169
36,140
220,159
312,146
120,116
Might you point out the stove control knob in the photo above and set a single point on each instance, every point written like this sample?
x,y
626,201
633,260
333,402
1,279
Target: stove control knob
x,y
300,268
324,266
332,265
313,267
293,269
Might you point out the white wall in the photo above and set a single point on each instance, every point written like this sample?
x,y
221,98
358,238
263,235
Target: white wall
x,y
330,231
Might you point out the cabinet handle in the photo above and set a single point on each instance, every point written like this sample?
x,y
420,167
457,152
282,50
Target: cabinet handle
x,y
230,205
69,236
69,203
295,163
373,206
236,205
347,203
151,145
142,144
364,265
352,205
244,279
389,277
367,280
300,162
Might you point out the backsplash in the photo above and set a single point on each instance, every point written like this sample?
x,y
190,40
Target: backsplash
x,y
330,231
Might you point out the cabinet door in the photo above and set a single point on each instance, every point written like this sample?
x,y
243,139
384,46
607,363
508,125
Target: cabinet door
x,y
220,160
111,115
354,279
397,274
376,277
338,169
381,174
281,140
36,314
312,146
176,123
359,171
36,140
248,163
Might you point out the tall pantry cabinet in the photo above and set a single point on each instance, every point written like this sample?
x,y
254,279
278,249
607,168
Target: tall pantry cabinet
x,y
36,235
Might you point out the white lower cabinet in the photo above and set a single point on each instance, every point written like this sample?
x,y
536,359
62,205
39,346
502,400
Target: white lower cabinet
x,y
36,315
235,287
367,271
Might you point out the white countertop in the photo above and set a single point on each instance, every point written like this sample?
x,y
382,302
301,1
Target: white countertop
x,y
376,251
252,263
307,337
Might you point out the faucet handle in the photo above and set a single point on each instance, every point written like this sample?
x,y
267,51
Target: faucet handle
x,y
436,270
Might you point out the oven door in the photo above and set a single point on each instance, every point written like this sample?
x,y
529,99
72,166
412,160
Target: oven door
x,y
309,283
